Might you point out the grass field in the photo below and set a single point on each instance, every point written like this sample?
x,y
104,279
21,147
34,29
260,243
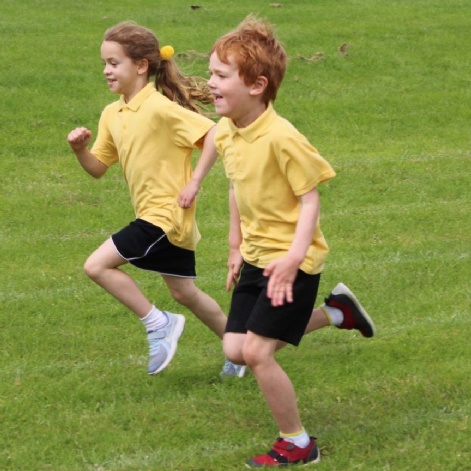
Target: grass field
x,y
392,116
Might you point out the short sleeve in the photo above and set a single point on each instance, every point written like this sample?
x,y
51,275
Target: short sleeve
x,y
302,164
104,148
187,127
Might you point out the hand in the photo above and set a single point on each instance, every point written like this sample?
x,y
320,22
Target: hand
x,y
234,265
282,273
188,194
79,138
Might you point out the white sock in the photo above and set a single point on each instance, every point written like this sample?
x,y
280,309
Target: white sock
x,y
334,314
300,439
154,320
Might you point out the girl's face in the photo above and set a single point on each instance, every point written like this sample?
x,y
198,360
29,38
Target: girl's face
x,y
232,97
124,76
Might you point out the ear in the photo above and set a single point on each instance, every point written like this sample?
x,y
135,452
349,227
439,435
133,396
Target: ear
x,y
259,86
142,66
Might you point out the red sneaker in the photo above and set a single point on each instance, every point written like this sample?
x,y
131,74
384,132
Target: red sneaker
x,y
285,453
354,315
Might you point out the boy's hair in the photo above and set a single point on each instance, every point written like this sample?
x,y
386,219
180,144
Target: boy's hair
x,y
140,43
256,51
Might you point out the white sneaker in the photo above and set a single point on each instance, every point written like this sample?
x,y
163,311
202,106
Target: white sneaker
x,y
232,370
163,343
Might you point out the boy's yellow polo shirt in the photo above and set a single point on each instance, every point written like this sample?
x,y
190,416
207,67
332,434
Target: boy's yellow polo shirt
x,y
153,138
270,165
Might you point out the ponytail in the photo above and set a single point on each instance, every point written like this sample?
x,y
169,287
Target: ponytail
x,y
190,92
141,43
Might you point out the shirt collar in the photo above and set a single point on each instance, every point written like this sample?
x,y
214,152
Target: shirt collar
x,y
138,99
259,127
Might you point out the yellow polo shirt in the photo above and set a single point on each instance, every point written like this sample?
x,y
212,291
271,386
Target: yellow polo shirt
x,y
271,165
153,138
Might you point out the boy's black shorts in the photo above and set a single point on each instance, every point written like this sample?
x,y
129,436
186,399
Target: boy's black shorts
x,y
146,246
251,309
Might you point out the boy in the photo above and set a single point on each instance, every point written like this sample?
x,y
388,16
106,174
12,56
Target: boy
x,y
275,242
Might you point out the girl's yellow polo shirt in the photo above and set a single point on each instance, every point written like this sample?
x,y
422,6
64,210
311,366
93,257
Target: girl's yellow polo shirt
x,y
153,138
270,165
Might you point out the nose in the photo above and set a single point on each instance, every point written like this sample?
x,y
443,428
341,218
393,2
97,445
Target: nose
x,y
210,83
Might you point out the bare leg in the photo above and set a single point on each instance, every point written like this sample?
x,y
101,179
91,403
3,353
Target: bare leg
x,y
318,320
205,308
102,268
233,345
274,383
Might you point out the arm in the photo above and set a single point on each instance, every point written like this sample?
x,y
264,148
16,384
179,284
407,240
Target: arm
x,y
205,162
234,262
282,271
79,139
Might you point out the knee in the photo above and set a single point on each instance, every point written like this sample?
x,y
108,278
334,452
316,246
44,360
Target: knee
x,y
91,268
182,296
234,355
250,356
233,352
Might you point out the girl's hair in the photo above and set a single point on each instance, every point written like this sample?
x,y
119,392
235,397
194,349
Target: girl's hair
x,y
256,51
141,43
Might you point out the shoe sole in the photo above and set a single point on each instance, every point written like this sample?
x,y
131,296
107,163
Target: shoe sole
x,y
177,332
241,372
355,301
253,464
298,465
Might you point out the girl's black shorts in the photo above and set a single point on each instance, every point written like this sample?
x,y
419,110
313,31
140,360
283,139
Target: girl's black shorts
x,y
146,246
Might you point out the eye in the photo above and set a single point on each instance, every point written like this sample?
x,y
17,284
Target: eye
x,y
215,74
111,63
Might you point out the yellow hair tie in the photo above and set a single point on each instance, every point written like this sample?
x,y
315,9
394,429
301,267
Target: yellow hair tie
x,y
166,53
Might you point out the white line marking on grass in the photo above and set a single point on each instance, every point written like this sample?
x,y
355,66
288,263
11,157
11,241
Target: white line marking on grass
x,y
461,205
405,157
396,258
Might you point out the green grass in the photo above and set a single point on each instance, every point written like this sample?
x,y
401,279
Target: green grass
x,y
392,117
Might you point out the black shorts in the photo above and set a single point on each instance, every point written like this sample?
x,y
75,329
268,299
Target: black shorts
x,y
146,246
251,309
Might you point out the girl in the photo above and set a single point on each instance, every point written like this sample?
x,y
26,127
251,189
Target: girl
x,y
151,132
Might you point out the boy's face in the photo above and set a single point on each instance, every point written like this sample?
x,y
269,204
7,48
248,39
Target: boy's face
x,y
232,97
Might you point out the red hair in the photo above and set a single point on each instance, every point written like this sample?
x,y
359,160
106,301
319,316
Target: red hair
x,y
256,51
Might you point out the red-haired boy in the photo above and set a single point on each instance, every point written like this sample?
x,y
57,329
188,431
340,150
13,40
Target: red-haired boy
x,y
277,249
